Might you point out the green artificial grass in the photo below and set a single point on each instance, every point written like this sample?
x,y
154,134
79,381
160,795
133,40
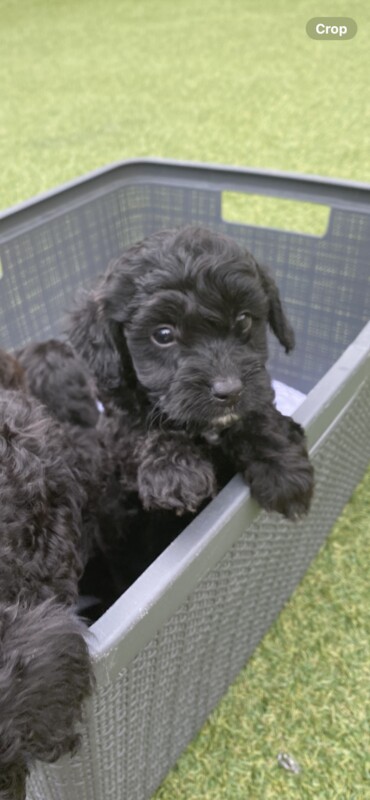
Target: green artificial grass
x,y
305,691
89,82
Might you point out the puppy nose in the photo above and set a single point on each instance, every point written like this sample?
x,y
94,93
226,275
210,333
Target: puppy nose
x,y
227,389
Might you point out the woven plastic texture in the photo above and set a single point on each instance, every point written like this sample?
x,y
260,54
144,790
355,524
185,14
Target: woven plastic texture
x,y
142,722
325,281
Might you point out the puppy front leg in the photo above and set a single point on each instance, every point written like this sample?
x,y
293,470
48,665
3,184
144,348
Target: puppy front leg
x,y
173,473
270,450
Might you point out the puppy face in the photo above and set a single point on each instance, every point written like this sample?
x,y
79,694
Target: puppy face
x,y
184,314
199,349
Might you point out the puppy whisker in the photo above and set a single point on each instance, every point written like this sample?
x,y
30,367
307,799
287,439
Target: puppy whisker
x,y
155,418
254,370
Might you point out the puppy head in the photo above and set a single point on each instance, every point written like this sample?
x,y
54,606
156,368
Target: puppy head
x,y
61,380
189,309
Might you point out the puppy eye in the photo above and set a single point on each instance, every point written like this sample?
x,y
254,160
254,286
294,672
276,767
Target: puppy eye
x,y
163,336
245,319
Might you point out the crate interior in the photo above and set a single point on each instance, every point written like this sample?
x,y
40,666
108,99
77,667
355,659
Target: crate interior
x,y
324,280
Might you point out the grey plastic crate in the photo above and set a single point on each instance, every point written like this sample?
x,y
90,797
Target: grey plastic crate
x,y
170,646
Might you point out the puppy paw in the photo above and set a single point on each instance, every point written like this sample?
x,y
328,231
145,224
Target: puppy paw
x,y
276,489
179,483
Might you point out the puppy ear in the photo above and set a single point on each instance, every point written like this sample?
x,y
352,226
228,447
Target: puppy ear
x,y
92,336
97,329
276,317
117,289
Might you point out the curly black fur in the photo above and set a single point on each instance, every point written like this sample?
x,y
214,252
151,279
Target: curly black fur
x,y
45,675
113,535
61,381
48,478
204,394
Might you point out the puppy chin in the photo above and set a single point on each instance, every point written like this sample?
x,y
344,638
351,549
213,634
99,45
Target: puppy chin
x,y
225,420
212,434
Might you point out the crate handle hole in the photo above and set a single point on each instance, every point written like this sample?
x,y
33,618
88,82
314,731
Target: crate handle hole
x,y
275,212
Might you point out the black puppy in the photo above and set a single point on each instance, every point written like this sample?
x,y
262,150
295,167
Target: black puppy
x,y
175,333
45,669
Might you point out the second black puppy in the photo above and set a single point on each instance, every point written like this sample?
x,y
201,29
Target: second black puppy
x,y
45,668
176,334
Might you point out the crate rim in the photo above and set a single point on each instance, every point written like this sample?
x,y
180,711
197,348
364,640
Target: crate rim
x,y
299,186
